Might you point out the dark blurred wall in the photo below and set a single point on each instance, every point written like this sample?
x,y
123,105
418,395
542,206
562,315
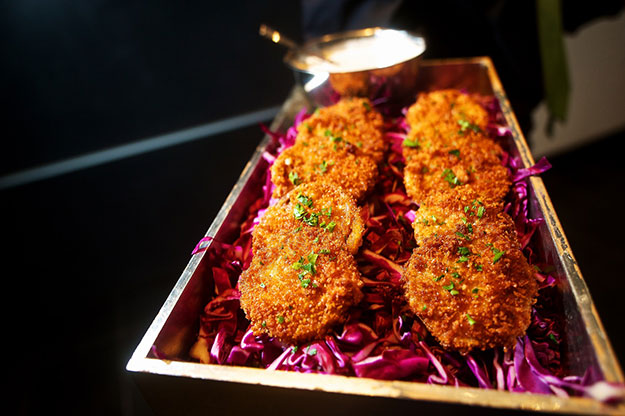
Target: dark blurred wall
x,y
79,76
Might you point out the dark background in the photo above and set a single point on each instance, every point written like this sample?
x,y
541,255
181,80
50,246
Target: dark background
x,y
90,256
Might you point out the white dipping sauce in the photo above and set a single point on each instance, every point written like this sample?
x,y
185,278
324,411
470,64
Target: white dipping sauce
x,y
384,49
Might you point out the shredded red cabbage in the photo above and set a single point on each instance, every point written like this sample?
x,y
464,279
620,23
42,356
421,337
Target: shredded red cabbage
x,y
381,338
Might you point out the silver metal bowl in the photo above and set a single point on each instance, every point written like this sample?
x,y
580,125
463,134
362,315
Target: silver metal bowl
x,y
378,63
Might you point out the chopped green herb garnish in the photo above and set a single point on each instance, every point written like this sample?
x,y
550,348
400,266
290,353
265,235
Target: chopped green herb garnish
x,y
264,324
455,152
312,220
359,144
451,178
323,167
316,240
295,348
366,105
280,319
324,251
294,178
498,254
330,226
262,285
475,290
298,229
449,286
304,200
471,320
411,143
299,211
424,307
462,259
436,279
464,251
553,338
459,234
480,211
478,267
466,125
327,212
453,292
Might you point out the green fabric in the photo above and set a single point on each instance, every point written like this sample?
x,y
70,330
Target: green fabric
x,y
554,63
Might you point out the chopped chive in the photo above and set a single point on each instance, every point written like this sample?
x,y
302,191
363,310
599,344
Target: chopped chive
x,y
366,105
453,292
478,267
455,275
262,285
436,279
264,324
324,251
471,320
424,307
462,259
480,211
451,178
330,226
475,290
449,286
294,178
455,152
410,143
464,251
459,234
280,319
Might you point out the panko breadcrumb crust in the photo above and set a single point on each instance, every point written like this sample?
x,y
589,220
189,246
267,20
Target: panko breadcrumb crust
x,y
467,280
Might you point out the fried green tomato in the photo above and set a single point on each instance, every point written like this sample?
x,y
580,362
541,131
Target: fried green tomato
x,y
351,120
303,276
446,111
301,293
444,119
475,164
441,213
471,286
318,214
323,159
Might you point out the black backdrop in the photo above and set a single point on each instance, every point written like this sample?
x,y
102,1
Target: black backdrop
x,y
90,256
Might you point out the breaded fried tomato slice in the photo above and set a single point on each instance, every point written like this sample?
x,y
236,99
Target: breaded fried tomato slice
x,y
472,288
300,292
323,159
317,214
447,111
476,165
444,213
351,120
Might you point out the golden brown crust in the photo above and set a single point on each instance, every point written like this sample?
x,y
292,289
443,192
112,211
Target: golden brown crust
x,y
354,121
475,164
467,279
472,290
314,211
282,304
303,277
445,111
320,160
340,144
